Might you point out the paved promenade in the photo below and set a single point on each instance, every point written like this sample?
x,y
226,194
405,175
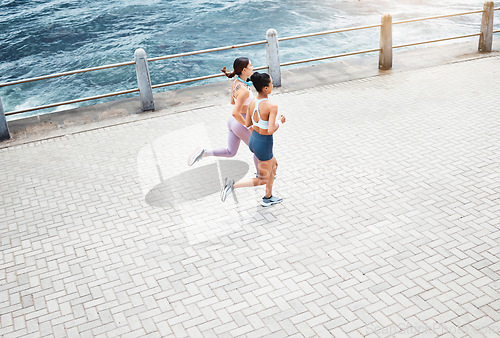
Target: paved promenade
x,y
390,223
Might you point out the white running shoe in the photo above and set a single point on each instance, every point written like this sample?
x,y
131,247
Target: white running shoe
x,y
270,201
196,156
227,189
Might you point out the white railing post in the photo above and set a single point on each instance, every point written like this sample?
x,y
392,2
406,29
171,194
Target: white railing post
x,y
273,56
4,129
385,54
144,80
486,37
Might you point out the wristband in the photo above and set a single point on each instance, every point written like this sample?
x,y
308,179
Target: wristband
x,y
279,123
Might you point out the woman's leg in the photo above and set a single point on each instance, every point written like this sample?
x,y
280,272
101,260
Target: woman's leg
x,y
269,199
270,180
244,134
237,132
265,169
240,130
233,143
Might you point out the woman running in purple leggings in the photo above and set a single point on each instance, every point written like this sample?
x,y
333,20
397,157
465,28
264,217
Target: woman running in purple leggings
x,y
241,97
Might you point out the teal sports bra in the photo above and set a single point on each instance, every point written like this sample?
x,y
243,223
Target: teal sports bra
x,y
261,124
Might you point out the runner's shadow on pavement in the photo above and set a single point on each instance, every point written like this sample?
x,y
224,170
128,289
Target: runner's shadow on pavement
x,y
194,184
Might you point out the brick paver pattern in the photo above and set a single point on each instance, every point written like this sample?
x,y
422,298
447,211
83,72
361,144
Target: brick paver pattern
x,y
389,225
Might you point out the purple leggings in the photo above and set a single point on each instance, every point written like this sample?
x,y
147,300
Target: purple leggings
x,y
237,132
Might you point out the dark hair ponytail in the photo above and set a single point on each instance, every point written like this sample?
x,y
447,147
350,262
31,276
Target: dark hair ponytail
x,y
260,80
238,65
228,73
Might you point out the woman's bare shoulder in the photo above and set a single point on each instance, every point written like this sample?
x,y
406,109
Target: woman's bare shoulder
x,y
271,105
239,88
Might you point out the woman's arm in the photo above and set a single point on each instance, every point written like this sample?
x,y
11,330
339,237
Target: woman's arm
x,y
231,93
248,119
273,119
238,106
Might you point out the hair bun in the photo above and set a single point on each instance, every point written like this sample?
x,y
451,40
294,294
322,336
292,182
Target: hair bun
x,y
255,76
260,80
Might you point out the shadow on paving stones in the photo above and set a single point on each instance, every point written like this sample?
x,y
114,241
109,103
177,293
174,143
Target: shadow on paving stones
x,y
195,184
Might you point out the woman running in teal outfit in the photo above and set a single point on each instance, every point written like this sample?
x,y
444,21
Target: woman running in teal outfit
x,y
263,116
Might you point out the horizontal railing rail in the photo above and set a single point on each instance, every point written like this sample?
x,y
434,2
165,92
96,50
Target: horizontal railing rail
x,y
249,44
51,76
436,17
437,40
201,78
73,101
329,57
328,32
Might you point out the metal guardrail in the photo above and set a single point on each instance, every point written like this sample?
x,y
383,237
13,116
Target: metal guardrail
x,y
73,101
328,32
234,47
329,57
45,77
437,40
437,17
201,78
249,44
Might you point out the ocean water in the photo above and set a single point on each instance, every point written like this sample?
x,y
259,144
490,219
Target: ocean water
x,y
40,37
